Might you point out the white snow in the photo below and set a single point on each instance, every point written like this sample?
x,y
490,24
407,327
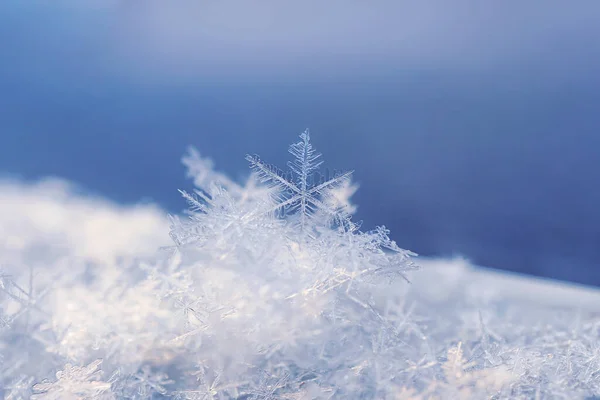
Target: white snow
x,y
248,305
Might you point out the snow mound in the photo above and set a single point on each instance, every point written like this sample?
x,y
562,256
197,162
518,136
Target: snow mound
x,y
268,290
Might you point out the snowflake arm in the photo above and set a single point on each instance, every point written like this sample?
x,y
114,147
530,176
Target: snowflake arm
x,y
306,160
269,174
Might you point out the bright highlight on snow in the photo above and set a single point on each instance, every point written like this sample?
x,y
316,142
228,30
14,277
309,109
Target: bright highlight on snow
x,y
269,290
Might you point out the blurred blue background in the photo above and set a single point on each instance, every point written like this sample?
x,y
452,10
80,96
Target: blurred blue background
x,y
473,128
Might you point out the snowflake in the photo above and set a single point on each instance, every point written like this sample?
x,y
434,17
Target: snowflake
x,y
302,197
269,387
75,383
144,384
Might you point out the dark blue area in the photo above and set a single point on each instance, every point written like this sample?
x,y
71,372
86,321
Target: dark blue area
x,y
503,167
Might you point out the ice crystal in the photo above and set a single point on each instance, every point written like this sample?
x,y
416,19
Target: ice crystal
x,y
75,383
303,197
144,384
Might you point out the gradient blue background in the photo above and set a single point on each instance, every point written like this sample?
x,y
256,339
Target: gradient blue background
x,y
473,127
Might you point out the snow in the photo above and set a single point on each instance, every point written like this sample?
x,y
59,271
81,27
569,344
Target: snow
x,y
268,292
513,287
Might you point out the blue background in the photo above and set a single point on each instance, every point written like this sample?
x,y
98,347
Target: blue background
x,y
472,130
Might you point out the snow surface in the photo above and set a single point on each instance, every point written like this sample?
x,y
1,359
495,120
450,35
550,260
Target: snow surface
x,y
267,291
